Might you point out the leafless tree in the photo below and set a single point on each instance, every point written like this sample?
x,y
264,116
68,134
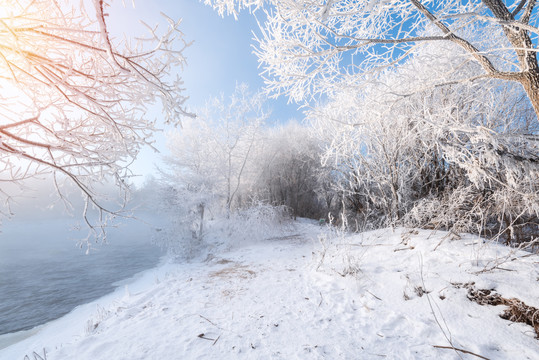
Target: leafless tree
x,y
211,163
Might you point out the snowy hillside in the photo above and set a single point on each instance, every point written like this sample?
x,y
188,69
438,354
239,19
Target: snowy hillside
x,y
387,294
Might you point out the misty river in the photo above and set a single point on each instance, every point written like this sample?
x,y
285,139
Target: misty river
x,y
44,275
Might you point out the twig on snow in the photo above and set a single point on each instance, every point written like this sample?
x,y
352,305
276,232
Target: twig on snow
x,y
447,337
376,297
211,322
220,327
206,338
461,350
406,248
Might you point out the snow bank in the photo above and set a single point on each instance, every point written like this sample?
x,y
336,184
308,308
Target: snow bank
x,y
391,294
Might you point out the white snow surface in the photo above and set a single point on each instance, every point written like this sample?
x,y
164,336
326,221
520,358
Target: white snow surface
x,y
278,299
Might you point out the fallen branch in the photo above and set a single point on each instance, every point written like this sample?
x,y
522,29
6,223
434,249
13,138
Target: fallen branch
x,y
461,350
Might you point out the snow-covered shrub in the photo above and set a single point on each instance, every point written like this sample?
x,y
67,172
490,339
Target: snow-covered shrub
x,y
258,222
501,214
185,212
516,215
463,156
462,210
334,254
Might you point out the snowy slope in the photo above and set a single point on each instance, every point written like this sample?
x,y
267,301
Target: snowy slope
x,y
387,294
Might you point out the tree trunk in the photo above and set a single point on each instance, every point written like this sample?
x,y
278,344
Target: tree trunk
x,y
524,47
530,82
201,228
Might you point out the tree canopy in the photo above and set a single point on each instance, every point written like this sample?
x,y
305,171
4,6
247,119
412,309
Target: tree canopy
x,y
308,48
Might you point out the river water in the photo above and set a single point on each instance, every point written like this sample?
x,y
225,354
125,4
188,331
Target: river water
x,y
44,275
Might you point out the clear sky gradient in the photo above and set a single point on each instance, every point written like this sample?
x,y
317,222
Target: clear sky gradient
x,y
220,56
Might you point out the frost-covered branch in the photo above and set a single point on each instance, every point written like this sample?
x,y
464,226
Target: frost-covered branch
x,y
75,101
311,48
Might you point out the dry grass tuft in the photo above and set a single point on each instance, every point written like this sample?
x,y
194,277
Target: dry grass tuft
x,y
234,271
520,312
517,310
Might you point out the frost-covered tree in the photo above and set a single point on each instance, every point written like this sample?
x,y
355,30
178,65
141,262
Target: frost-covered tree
x,y
211,164
74,98
309,47
459,148
215,151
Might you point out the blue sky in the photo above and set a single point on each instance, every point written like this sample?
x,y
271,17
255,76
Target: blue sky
x,y
220,56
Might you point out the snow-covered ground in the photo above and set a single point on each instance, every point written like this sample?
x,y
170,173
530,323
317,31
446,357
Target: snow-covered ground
x,y
386,294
